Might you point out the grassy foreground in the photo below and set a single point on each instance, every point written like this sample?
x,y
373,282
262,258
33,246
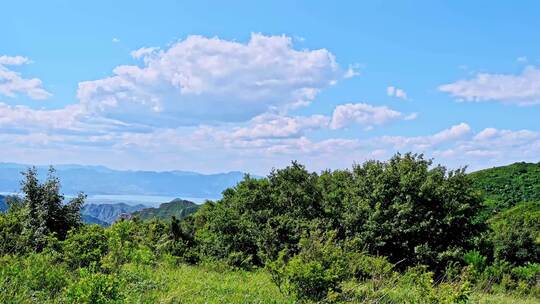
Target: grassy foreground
x,y
202,284
35,279
212,284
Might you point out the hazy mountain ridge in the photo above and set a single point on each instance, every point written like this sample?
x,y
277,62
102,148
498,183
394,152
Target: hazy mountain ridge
x,y
88,219
179,208
102,180
107,213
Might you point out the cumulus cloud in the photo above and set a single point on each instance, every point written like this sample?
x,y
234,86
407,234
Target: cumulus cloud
x,y
521,89
12,83
229,105
420,143
275,126
23,117
213,80
13,60
456,145
396,92
363,114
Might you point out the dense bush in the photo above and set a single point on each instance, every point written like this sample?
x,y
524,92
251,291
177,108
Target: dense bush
x,y
322,265
37,276
516,234
85,246
94,287
401,209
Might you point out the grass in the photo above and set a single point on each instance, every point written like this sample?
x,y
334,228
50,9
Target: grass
x,y
482,298
204,284
32,280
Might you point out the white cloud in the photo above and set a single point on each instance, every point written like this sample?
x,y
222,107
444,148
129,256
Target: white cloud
x,y
208,79
11,82
522,89
22,117
144,52
421,143
352,71
396,92
225,105
115,40
363,114
275,126
411,116
486,134
14,60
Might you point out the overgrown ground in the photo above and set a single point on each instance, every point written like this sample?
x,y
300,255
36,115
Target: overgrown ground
x,y
34,279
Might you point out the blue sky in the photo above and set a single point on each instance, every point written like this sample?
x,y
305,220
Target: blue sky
x,y
213,86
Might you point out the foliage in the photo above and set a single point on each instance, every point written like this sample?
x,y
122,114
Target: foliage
x,y
322,265
401,209
37,276
85,246
413,286
516,234
506,186
178,208
47,214
96,288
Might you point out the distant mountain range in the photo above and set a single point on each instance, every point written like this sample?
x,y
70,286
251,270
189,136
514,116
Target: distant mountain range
x,y
179,208
98,180
106,214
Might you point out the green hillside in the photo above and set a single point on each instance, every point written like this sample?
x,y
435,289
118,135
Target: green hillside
x,y
504,187
178,207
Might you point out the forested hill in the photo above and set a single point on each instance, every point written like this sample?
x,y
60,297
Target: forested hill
x,y
179,208
506,186
107,213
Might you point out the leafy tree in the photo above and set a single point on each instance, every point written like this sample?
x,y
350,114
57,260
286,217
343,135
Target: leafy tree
x,y
260,217
410,212
46,212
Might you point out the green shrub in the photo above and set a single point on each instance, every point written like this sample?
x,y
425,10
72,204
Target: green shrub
x,y
516,234
319,268
414,286
475,259
123,241
95,288
37,276
85,246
